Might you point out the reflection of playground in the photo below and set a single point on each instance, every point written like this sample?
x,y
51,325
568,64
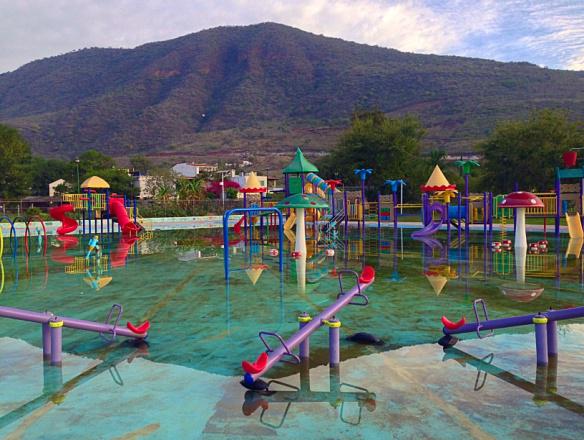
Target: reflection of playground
x,y
338,396
544,389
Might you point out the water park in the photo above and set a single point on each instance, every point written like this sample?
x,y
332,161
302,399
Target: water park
x,y
335,311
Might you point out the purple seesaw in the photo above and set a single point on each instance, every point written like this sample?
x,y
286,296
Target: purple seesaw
x,y
545,323
309,325
52,327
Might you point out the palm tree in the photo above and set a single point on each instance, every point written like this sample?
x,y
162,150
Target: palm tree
x,y
436,158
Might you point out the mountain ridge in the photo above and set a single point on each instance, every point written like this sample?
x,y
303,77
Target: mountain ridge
x,y
263,86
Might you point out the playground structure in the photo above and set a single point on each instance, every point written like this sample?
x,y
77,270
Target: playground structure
x,y
52,327
97,204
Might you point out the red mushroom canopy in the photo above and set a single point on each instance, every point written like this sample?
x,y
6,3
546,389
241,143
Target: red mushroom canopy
x,y
521,199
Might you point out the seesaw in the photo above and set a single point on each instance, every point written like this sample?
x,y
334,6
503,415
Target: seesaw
x,y
545,326
52,327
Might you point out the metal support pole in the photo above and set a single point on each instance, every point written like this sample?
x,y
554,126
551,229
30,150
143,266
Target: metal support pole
x,y
558,203
346,208
540,322
46,341
394,198
467,203
56,332
304,347
334,341
552,338
378,211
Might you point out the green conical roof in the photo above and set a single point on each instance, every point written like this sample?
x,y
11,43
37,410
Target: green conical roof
x,y
303,201
300,165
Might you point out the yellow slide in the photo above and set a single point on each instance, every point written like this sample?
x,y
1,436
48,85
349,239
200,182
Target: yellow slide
x,y
574,225
290,222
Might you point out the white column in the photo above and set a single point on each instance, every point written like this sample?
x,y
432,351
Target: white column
x,y
520,235
300,232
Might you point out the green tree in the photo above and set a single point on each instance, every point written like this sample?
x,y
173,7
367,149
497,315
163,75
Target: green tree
x,y
140,163
527,152
45,171
15,178
92,161
190,189
390,146
119,180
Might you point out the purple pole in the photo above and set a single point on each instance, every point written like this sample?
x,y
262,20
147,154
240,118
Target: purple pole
x,y
363,202
490,213
541,348
395,209
346,208
46,341
552,338
467,203
334,326
56,331
303,319
378,211
312,326
558,203
485,213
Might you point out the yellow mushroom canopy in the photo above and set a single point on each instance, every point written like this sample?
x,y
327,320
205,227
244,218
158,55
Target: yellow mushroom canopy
x,y
95,182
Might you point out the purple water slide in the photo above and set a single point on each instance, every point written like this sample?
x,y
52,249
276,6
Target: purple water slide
x,y
434,225
79,324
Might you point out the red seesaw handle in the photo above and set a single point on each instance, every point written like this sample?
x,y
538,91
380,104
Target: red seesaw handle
x,y
367,275
140,330
453,325
257,366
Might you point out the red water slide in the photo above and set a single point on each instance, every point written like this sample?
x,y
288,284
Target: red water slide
x,y
68,224
118,211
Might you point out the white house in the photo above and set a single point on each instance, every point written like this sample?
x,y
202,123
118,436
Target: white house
x,y
192,170
54,185
144,185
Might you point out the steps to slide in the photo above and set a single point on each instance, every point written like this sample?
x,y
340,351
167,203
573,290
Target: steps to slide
x,y
68,224
574,225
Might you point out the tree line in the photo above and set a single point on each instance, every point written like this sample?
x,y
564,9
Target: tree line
x,y
518,152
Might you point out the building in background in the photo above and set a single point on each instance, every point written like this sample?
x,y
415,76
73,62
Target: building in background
x,y
54,185
192,170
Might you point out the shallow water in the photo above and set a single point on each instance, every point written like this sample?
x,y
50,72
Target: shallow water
x,y
185,382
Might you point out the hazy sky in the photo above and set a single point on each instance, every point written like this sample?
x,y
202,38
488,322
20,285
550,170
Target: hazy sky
x,y
549,33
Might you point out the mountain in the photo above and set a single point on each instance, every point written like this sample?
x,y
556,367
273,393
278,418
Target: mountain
x,y
263,88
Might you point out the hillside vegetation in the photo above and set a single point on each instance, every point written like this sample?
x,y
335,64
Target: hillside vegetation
x,y
263,88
